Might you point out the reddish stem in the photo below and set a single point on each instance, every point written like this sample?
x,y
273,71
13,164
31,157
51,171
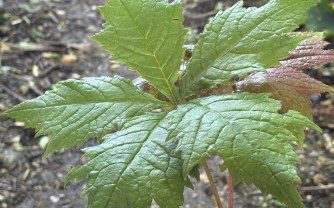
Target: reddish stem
x,y
213,186
230,189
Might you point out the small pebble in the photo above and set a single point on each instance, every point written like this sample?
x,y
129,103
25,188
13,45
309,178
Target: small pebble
x,y
69,59
309,197
16,139
24,89
75,76
318,178
19,124
54,199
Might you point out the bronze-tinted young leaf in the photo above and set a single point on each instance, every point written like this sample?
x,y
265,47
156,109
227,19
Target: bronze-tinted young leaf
x,y
289,85
309,54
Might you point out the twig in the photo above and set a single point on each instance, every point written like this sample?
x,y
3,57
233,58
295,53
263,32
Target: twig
x,y
33,47
35,89
190,15
318,188
48,70
213,186
230,189
305,188
47,46
14,94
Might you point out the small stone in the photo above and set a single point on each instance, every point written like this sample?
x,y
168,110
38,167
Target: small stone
x,y
60,12
24,89
35,70
2,107
204,178
54,199
309,197
115,66
318,178
69,59
328,141
19,124
4,48
75,76
16,139
9,158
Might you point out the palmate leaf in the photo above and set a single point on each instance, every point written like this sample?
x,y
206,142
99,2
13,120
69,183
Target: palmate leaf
x,y
134,166
288,83
252,138
148,36
241,41
76,110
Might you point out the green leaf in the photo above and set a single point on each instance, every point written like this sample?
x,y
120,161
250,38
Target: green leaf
x,y
134,166
148,36
252,138
241,41
76,110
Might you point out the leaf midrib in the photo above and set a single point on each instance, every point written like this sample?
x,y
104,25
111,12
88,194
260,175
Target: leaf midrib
x,y
134,155
228,50
90,103
152,52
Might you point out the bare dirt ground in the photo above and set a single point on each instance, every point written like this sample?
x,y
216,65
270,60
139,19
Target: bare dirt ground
x,y
45,41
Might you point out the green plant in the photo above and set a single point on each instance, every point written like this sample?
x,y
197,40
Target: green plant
x,y
154,137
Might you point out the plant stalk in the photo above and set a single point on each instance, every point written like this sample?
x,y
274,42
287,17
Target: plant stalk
x,y
230,189
213,186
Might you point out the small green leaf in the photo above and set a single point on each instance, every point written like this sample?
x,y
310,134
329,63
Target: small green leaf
x,y
148,36
76,110
246,130
241,41
134,166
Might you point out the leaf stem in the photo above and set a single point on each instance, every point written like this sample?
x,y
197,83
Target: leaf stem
x,y
230,189
213,186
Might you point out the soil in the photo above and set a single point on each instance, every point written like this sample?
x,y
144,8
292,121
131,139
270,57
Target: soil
x,y
46,41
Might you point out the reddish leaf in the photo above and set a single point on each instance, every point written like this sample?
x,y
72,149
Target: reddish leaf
x,y
288,83
291,86
309,54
